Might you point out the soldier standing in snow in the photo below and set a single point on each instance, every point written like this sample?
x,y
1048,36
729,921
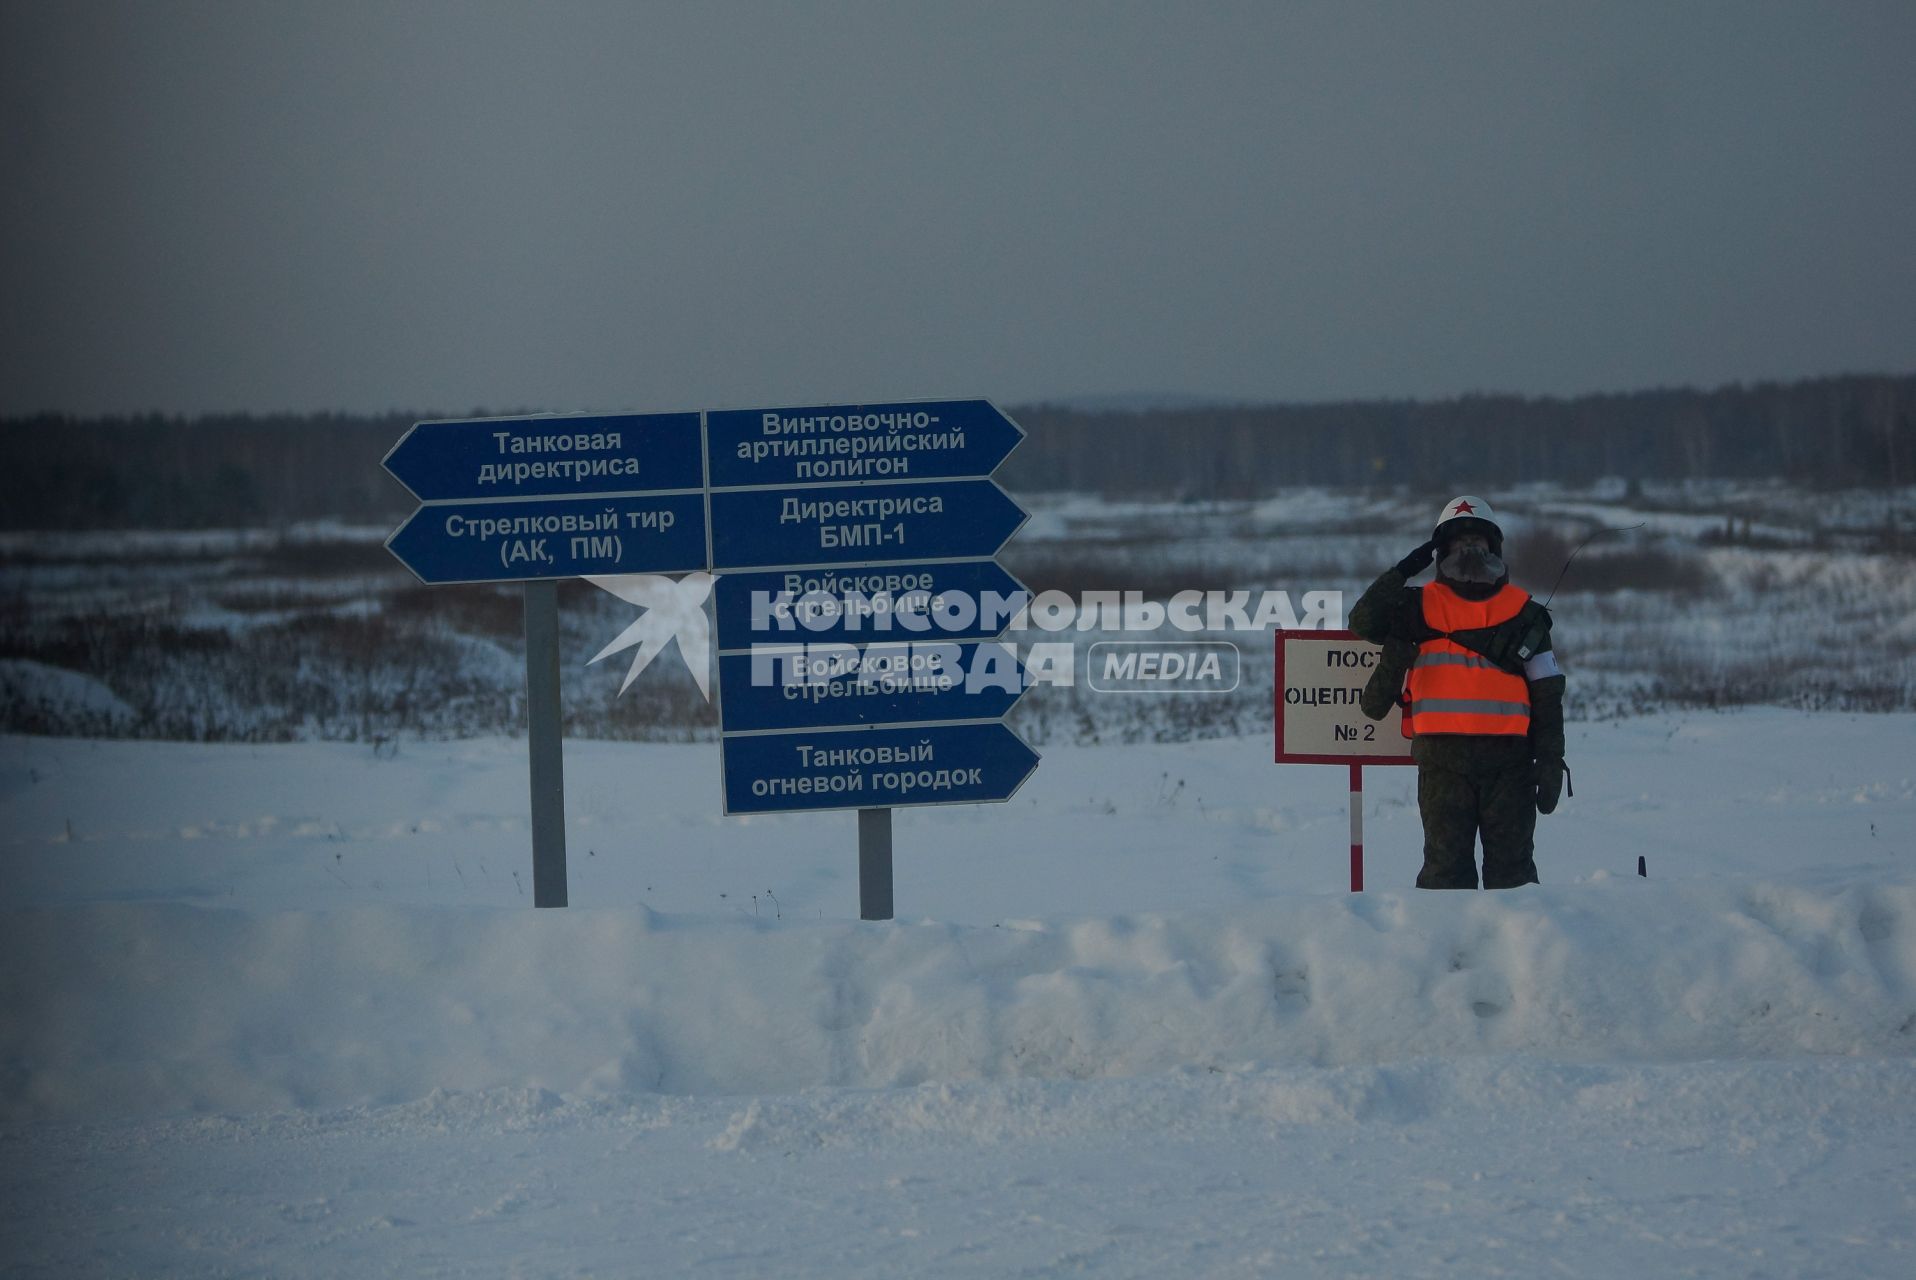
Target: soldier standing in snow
x,y
1485,705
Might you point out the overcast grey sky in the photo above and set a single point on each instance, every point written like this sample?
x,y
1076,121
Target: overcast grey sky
x,y
269,206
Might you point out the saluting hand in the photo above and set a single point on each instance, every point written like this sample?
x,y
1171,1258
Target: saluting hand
x,y
1418,561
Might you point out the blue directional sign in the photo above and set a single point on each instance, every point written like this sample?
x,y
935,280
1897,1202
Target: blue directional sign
x,y
944,600
862,533
914,440
873,768
920,682
529,457
860,524
552,538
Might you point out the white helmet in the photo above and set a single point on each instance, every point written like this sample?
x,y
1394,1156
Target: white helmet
x,y
1464,511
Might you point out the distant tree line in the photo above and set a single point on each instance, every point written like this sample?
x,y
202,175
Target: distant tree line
x,y
228,470
159,472
1840,431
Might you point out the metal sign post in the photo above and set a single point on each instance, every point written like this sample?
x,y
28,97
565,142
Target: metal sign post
x,y
545,741
874,864
534,500
1319,676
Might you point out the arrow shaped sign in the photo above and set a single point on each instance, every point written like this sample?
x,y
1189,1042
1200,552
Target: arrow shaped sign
x,y
873,768
861,524
549,454
923,440
921,682
552,538
948,600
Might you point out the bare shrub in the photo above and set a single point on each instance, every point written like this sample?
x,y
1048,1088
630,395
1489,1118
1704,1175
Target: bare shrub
x,y
1543,557
483,610
326,558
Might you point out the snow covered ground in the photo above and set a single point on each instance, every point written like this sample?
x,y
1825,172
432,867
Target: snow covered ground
x,y
1703,594
285,1009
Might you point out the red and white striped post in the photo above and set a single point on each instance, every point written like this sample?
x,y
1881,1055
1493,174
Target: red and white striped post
x,y
1357,828
1319,678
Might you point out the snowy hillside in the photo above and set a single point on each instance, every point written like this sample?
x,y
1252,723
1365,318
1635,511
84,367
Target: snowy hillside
x,y
282,1009
243,1012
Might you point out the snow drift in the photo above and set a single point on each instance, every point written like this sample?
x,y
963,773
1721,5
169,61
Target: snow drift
x,y
155,1009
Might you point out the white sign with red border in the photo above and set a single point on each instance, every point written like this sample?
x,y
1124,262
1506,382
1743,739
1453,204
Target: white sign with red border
x,y
1319,677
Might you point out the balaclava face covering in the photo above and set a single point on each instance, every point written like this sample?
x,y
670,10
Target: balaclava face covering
x,y
1476,573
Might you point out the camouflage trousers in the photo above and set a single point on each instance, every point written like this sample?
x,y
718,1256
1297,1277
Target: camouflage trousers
x,y
1468,787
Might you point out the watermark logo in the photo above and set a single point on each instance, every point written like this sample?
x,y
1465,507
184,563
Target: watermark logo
x,y
791,648
1151,666
673,611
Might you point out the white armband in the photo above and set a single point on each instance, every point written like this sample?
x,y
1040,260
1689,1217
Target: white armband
x,y
1542,666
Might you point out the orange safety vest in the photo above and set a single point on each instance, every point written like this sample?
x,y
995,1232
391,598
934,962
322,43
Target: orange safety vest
x,y
1454,690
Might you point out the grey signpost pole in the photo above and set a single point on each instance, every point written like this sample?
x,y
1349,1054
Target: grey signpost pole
x,y
874,864
545,740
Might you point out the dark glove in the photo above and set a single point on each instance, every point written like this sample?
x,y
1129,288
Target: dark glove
x,y
1387,678
1417,561
1549,772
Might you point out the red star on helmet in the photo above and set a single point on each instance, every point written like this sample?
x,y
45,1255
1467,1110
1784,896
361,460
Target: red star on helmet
x,y
1462,508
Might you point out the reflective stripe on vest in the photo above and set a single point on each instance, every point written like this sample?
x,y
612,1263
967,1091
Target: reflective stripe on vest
x,y
1453,690
1474,706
